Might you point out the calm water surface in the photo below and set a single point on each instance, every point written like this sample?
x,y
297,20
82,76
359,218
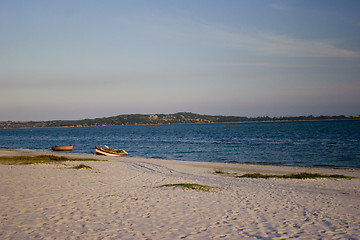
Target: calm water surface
x,y
322,143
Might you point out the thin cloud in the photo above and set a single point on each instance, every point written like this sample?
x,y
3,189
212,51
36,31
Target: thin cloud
x,y
272,44
262,43
282,45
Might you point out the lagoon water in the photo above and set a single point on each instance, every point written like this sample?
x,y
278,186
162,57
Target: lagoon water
x,y
317,143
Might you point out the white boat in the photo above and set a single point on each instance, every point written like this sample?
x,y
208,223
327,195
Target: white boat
x,y
110,152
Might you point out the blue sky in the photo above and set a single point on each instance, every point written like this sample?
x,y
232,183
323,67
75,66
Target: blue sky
x,y
86,59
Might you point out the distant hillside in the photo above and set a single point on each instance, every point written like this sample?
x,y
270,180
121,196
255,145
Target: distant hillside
x,y
146,119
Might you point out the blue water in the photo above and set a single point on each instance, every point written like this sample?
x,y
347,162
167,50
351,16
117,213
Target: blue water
x,y
322,143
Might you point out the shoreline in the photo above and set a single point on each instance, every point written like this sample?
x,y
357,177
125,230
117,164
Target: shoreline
x,y
122,198
160,124
70,154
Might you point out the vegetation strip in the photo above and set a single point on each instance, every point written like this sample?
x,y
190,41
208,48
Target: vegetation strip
x,y
190,186
303,175
17,160
144,119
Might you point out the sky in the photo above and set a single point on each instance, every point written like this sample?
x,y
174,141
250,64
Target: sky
x,y
91,58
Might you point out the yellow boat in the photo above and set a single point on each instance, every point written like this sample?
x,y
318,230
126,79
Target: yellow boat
x,y
110,152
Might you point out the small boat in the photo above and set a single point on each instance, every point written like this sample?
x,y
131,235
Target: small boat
x,y
62,148
110,152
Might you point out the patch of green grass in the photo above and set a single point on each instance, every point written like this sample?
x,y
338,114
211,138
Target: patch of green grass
x,y
190,186
295,176
221,172
82,166
16,160
255,175
303,175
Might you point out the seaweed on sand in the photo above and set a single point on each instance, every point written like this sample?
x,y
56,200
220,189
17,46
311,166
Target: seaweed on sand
x,y
190,186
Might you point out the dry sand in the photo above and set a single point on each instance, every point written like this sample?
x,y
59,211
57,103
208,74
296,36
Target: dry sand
x,y
120,199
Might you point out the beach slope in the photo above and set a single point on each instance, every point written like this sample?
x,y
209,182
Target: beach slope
x,y
138,198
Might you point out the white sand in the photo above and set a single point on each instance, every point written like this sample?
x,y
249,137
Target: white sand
x,y
119,199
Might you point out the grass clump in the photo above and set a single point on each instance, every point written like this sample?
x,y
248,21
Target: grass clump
x,y
221,172
82,166
255,175
303,175
190,186
295,176
17,160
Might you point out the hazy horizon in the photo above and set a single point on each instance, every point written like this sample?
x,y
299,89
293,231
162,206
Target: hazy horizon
x,y
260,116
72,60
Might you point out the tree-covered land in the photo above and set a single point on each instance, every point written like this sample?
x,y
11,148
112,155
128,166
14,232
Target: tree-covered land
x,y
147,119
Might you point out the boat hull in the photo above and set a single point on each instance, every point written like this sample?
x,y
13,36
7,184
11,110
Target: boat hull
x,y
62,148
110,152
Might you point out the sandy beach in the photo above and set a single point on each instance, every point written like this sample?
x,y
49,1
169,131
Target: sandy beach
x,y
121,199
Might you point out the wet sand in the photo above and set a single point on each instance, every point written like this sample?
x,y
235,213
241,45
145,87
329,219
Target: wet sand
x,y
121,199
